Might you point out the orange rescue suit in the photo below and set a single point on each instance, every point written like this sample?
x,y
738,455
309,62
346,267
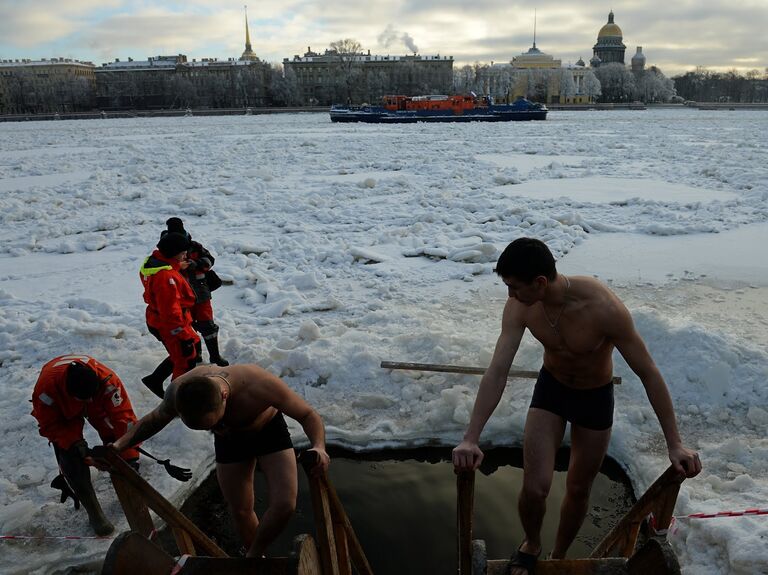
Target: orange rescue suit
x,y
61,416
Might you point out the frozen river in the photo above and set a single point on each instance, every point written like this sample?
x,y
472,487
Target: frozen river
x,y
346,245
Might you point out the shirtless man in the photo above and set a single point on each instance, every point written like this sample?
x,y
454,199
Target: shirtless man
x,y
243,405
579,321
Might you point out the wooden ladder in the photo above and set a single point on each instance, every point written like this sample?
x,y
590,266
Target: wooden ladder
x,y
336,550
614,555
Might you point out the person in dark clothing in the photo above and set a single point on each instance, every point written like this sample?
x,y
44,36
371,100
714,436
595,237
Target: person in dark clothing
x,y
203,281
169,299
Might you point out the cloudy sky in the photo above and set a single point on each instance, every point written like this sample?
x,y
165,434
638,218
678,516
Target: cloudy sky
x,y
676,36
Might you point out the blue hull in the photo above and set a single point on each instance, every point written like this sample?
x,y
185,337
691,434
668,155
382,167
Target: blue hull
x,y
493,113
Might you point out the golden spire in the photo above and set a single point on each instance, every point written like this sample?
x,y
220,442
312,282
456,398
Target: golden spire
x,y
248,53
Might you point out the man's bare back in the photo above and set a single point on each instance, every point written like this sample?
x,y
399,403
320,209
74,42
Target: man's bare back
x,y
250,391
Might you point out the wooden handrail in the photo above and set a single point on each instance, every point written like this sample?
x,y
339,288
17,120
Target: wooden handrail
x,y
463,369
465,494
659,498
339,549
184,530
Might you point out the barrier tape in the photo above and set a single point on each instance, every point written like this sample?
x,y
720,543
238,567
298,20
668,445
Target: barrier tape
x,y
754,511
61,537
672,529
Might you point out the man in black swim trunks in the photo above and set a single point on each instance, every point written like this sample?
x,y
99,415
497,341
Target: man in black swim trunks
x,y
579,321
243,405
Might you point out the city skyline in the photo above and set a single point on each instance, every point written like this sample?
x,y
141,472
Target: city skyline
x,y
716,36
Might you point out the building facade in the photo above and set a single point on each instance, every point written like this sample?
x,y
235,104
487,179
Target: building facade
x,y
334,77
164,82
610,47
47,85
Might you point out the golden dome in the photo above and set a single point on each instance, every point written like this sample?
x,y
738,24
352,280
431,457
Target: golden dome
x,y
610,29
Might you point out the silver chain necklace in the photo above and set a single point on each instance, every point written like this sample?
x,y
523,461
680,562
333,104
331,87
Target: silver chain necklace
x,y
553,323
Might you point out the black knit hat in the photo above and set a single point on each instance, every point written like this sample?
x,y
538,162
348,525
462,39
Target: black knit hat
x,y
172,244
82,381
175,225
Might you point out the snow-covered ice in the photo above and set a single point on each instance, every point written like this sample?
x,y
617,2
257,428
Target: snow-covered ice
x,y
345,245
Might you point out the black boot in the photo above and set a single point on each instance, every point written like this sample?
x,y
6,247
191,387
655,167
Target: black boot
x,y
154,381
212,343
78,476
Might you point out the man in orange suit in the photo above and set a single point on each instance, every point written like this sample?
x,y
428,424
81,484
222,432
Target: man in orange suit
x,y
169,299
69,390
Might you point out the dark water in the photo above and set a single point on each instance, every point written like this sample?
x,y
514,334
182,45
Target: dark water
x,y
402,505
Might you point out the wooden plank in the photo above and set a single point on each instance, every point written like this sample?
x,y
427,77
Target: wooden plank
x,y
132,553
183,541
359,560
627,547
357,555
157,502
323,519
469,370
667,484
305,555
342,547
238,566
134,506
611,566
465,494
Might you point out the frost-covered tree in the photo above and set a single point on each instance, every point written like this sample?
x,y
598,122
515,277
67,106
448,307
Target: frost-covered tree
x,y
653,86
591,85
567,85
347,69
616,81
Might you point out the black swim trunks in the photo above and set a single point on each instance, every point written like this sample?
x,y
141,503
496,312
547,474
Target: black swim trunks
x,y
590,408
245,445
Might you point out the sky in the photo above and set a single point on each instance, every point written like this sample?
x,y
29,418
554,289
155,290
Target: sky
x,y
676,37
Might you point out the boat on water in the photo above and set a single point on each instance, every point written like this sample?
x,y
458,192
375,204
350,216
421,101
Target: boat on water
x,y
439,108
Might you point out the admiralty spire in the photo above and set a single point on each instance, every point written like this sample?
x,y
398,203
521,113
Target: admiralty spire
x,y
248,54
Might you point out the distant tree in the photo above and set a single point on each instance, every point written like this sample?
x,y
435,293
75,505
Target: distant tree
x,y
283,87
347,70
464,80
378,84
567,85
653,86
702,85
591,85
616,82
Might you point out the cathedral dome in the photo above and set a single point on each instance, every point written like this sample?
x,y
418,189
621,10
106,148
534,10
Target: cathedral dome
x,y
610,29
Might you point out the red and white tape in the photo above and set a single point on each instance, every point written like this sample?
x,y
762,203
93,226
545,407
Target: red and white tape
x,y
754,511
60,537
672,529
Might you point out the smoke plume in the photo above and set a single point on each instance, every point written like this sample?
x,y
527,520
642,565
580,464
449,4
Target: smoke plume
x,y
392,37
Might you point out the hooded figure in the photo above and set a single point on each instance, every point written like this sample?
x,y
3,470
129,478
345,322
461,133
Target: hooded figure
x,y
69,390
169,300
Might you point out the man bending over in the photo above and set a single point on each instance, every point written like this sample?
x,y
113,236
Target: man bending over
x,y
243,405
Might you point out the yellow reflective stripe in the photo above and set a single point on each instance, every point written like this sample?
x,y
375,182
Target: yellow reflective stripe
x,y
146,272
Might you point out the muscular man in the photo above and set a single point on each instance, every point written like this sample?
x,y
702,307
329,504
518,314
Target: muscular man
x,y
243,405
579,321
69,390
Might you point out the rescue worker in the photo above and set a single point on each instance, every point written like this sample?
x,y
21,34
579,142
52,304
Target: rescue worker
x,y
203,281
169,299
69,390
